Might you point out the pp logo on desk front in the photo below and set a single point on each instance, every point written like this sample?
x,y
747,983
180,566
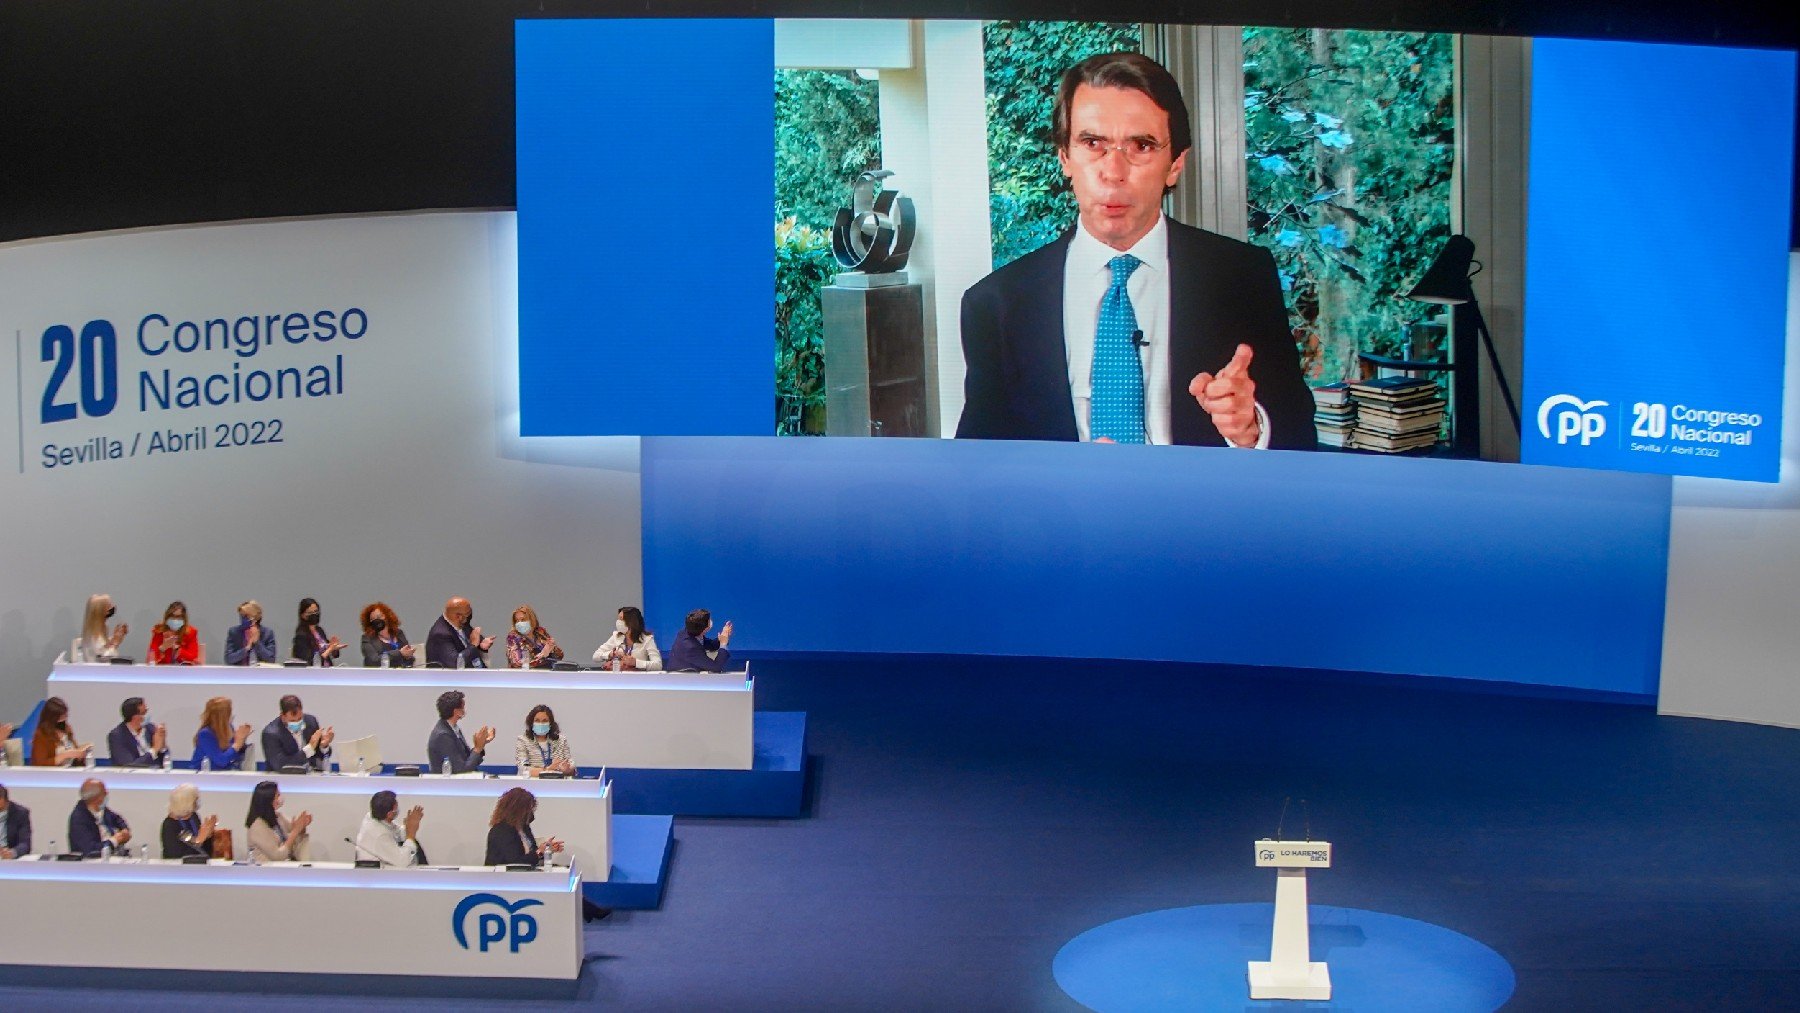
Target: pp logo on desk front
x,y
507,925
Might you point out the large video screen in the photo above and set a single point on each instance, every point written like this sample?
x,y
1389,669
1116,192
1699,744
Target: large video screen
x,y
1555,251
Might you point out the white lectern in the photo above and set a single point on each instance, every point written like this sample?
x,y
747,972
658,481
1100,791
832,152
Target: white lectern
x,y
1290,972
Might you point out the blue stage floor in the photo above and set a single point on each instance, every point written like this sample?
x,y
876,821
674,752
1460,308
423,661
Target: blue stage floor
x,y
960,833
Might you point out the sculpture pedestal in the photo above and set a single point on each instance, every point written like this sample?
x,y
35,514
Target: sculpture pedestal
x,y
875,359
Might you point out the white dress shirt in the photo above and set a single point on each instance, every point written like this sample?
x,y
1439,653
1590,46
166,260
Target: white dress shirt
x,y
1086,278
382,840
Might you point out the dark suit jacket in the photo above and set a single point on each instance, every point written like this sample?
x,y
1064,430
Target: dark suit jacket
x,y
122,747
174,847
18,828
305,647
373,647
84,835
236,652
280,750
442,647
1222,293
505,848
445,745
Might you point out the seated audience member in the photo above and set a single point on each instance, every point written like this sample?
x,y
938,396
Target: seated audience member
x,y
92,826
97,642
379,838
173,641
694,651
510,840
6,731
311,642
15,827
294,739
453,643
135,742
249,642
217,744
542,746
384,639
528,644
184,833
272,836
53,745
447,742
633,646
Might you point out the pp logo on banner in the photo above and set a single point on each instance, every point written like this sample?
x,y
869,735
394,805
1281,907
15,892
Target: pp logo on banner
x,y
504,926
1575,418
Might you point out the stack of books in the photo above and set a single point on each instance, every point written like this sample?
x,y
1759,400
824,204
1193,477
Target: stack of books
x,y
1396,413
1334,414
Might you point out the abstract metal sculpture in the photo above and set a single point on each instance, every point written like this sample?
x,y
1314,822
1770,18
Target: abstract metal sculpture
x,y
874,234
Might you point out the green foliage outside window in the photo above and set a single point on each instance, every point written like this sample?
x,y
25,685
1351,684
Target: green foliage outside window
x,y
1030,203
827,131
1350,139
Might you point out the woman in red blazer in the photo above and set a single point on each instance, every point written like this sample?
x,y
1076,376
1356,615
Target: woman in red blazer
x,y
173,641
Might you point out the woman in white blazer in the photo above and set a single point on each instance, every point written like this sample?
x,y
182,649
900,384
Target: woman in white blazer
x,y
631,645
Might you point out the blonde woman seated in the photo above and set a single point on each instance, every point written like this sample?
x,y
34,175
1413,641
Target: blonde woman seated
x,y
97,642
273,837
184,833
542,747
528,644
631,645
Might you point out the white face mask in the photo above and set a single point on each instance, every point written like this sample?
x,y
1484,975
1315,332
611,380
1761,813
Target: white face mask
x,y
524,628
176,622
619,624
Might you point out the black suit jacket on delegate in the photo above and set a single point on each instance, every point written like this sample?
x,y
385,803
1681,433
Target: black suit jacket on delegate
x,y
18,828
505,848
280,750
442,647
1222,293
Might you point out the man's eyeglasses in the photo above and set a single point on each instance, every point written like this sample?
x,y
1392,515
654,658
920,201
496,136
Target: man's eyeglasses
x,y
1137,150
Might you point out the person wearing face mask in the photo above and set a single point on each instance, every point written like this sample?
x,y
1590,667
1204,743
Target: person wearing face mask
x,y
274,837
528,644
249,642
510,840
446,746
97,642
217,743
542,746
694,651
380,838
15,827
294,739
135,742
54,745
310,639
92,825
173,641
452,642
184,833
631,645
383,638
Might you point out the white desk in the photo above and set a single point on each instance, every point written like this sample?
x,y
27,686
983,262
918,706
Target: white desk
x,y
457,809
683,721
356,921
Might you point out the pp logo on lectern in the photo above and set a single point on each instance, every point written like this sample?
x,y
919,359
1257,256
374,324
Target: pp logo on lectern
x,y
492,927
1266,855
1575,418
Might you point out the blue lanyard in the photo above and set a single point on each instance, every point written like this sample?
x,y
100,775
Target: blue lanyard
x,y
545,750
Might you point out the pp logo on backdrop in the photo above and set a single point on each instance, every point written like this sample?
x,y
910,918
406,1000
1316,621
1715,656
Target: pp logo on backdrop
x,y
507,925
1575,419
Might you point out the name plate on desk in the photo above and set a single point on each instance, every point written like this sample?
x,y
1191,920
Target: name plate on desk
x,y
1293,855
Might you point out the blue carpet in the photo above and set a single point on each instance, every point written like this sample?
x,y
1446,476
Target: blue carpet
x,y
967,818
1194,958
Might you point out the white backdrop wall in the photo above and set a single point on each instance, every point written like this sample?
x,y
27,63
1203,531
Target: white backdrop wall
x,y
409,485
1731,643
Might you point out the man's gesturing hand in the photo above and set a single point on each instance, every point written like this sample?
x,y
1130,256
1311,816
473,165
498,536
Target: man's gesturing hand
x,y
1230,398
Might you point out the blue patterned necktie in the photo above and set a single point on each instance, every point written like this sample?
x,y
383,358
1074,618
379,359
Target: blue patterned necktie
x,y
1117,411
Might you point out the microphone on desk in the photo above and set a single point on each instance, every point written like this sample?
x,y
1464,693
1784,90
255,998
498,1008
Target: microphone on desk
x,y
1138,339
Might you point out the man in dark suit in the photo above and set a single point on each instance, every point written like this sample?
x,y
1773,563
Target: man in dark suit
x,y
447,745
453,643
15,827
135,742
92,825
1132,328
294,738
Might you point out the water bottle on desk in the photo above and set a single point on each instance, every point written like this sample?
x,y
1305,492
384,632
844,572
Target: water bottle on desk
x,y
89,760
168,763
385,662
205,764
362,761
106,849
446,766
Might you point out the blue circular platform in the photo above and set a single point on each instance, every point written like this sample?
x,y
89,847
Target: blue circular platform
x,y
1194,958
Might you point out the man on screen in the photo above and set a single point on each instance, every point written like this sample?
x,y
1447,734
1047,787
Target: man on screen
x,y
1130,327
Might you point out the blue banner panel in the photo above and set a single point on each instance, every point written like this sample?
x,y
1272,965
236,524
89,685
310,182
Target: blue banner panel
x,y
1504,572
1656,264
646,256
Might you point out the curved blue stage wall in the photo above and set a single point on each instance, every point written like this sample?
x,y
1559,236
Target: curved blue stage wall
x,y
1547,576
